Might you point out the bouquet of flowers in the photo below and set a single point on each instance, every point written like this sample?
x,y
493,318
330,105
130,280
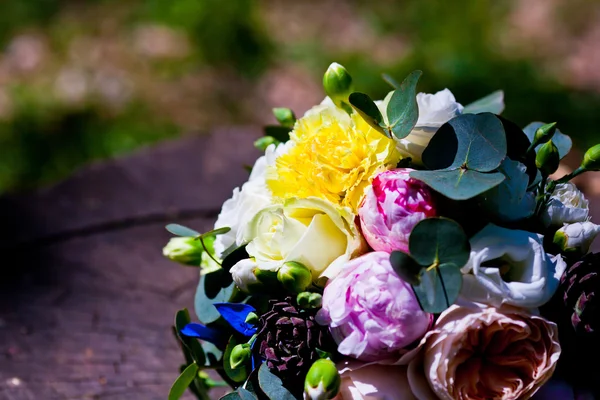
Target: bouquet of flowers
x,y
397,249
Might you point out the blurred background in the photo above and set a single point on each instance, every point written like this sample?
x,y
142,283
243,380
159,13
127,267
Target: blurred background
x,y
86,80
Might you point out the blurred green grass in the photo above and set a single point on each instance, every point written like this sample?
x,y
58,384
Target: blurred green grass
x,y
235,44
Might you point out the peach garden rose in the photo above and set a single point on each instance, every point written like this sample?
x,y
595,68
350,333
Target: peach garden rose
x,y
478,353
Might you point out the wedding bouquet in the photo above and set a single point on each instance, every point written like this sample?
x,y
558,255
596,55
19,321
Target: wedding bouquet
x,y
397,249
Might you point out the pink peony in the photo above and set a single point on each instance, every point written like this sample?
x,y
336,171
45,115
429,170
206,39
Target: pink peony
x,y
392,206
372,313
480,353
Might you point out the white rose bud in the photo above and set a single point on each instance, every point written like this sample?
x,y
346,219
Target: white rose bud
x,y
576,238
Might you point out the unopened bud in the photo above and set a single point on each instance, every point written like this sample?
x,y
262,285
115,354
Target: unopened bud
x,y
547,158
309,300
184,250
544,133
240,355
264,142
576,239
322,381
285,116
251,318
591,159
294,276
337,83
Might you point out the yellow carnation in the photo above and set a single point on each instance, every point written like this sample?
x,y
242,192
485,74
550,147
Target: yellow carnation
x,y
334,156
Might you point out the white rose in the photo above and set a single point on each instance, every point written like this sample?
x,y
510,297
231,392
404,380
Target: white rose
x,y
254,195
577,237
567,205
310,231
509,266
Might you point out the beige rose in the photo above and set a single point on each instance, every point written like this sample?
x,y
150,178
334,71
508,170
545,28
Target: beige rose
x,y
374,382
484,353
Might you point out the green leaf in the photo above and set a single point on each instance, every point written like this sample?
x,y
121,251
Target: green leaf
x,y
271,385
563,142
182,318
183,381
280,133
493,102
237,375
239,394
391,81
213,354
215,232
459,184
284,116
481,141
406,267
180,230
211,290
232,255
368,110
439,241
439,287
403,110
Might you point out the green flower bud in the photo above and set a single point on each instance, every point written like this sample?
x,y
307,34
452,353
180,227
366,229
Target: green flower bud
x,y
309,300
184,250
266,277
251,318
294,276
285,116
337,83
591,159
544,133
240,355
264,142
547,158
322,381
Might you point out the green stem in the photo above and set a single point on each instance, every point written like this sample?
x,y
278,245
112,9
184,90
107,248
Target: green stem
x,y
208,252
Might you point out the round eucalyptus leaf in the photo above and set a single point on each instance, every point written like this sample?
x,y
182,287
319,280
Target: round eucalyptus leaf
x,y
439,287
402,110
435,241
406,267
213,288
459,184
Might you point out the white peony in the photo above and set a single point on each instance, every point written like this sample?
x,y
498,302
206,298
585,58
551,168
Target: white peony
x,y
509,266
567,205
253,196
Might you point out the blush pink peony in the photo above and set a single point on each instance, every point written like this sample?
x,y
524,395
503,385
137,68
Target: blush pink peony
x,y
392,206
372,313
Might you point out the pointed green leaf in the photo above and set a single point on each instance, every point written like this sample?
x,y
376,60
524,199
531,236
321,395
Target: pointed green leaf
x,y
183,382
237,375
563,142
493,102
403,110
215,232
390,81
271,385
439,241
439,288
180,230
406,267
182,318
239,394
459,184
368,110
213,288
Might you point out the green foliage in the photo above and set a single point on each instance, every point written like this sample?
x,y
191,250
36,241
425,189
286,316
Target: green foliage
x,y
402,110
183,382
271,385
214,287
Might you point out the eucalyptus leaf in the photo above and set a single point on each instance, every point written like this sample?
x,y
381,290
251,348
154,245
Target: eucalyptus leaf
x,y
439,241
390,81
402,110
180,230
368,110
182,318
239,394
563,142
237,375
439,288
211,290
232,255
517,144
215,232
406,267
213,354
493,102
459,184
183,382
272,386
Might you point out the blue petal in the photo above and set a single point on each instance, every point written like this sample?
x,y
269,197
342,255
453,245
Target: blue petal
x,y
235,314
203,332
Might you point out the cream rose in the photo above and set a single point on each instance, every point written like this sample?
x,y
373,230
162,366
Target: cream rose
x,y
310,231
479,353
375,382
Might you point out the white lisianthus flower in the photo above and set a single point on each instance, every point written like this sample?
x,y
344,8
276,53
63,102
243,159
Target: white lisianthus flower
x,y
567,205
509,266
243,274
311,231
253,196
577,237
